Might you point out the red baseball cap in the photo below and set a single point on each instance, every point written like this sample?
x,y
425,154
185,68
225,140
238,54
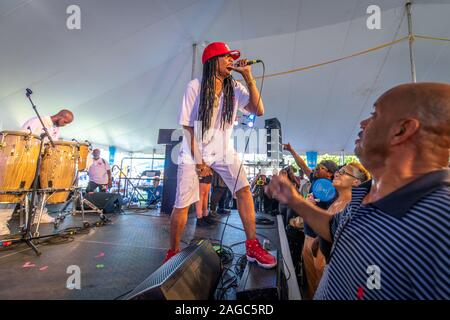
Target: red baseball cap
x,y
218,49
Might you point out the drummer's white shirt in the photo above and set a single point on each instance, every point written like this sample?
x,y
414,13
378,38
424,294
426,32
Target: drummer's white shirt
x,y
98,171
36,127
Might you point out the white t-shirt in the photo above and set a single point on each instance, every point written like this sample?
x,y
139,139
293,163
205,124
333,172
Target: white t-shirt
x,y
216,141
98,171
36,127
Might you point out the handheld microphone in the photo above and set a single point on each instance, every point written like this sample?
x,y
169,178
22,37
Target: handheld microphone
x,y
249,62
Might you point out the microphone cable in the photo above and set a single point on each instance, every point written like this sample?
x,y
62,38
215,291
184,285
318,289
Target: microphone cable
x,y
242,162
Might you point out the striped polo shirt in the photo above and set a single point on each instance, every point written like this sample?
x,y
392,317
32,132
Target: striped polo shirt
x,y
394,248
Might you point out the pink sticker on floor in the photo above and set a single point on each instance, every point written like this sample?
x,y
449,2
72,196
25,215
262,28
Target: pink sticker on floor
x,y
28,264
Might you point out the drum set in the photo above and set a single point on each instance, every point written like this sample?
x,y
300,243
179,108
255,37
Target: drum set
x,y
61,162
36,171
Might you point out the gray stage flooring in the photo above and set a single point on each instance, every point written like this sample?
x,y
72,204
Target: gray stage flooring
x,y
113,259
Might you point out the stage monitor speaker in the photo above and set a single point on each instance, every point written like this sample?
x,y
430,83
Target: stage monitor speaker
x,y
108,202
193,274
261,284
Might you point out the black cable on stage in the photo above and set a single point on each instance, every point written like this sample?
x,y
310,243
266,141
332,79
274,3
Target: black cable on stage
x,y
240,265
240,242
123,294
66,235
225,253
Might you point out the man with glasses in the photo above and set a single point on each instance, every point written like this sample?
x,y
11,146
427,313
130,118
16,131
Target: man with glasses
x,y
391,241
324,170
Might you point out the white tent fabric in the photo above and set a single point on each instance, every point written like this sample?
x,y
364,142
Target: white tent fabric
x,y
124,72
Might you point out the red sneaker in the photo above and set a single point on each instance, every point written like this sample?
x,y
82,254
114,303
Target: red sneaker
x,y
255,252
170,253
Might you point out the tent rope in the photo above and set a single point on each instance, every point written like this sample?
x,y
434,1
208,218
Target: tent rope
x,y
432,38
359,53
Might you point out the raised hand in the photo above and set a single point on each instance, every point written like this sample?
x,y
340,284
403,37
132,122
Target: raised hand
x,y
287,147
281,189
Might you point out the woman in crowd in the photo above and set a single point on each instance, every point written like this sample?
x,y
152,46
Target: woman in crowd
x,y
347,177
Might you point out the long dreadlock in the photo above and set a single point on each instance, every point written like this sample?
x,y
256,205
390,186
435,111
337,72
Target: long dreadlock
x,y
208,96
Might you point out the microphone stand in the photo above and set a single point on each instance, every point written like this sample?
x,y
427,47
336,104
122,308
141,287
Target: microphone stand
x,y
27,236
28,94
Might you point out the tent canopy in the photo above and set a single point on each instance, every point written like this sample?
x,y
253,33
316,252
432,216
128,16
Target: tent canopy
x,y
123,74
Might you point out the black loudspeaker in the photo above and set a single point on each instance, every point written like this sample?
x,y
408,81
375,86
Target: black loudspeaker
x,y
169,138
261,284
272,123
170,182
274,140
109,202
192,274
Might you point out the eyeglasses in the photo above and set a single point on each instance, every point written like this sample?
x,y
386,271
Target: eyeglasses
x,y
342,172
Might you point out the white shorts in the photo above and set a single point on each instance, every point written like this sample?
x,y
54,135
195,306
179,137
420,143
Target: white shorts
x,y
188,184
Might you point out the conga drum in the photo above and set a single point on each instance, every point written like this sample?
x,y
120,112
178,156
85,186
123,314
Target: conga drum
x,y
58,169
19,153
84,151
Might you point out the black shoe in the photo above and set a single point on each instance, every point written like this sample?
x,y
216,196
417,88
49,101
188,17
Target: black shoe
x,y
223,211
214,215
202,223
208,220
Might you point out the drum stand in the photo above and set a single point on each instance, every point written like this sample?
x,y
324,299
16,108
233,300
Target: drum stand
x,y
78,197
26,234
41,210
23,206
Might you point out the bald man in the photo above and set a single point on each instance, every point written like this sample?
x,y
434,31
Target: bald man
x,y
99,174
392,241
52,123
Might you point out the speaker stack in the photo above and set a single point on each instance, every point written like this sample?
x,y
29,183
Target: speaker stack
x,y
170,168
274,141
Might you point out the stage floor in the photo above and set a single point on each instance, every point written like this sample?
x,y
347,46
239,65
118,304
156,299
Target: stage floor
x,y
113,259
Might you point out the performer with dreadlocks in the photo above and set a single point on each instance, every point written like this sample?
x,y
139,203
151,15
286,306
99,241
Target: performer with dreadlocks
x,y
207,115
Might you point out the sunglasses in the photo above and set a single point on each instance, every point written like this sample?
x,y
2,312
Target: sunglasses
x,y
342,172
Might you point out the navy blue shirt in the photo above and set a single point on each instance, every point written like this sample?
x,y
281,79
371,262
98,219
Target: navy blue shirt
x,y
154,194
394,248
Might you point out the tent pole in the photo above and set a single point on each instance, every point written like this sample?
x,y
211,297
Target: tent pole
x,y
411,40
194,55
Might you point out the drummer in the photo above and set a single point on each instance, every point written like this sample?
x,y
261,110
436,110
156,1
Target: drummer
x,y
52,123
